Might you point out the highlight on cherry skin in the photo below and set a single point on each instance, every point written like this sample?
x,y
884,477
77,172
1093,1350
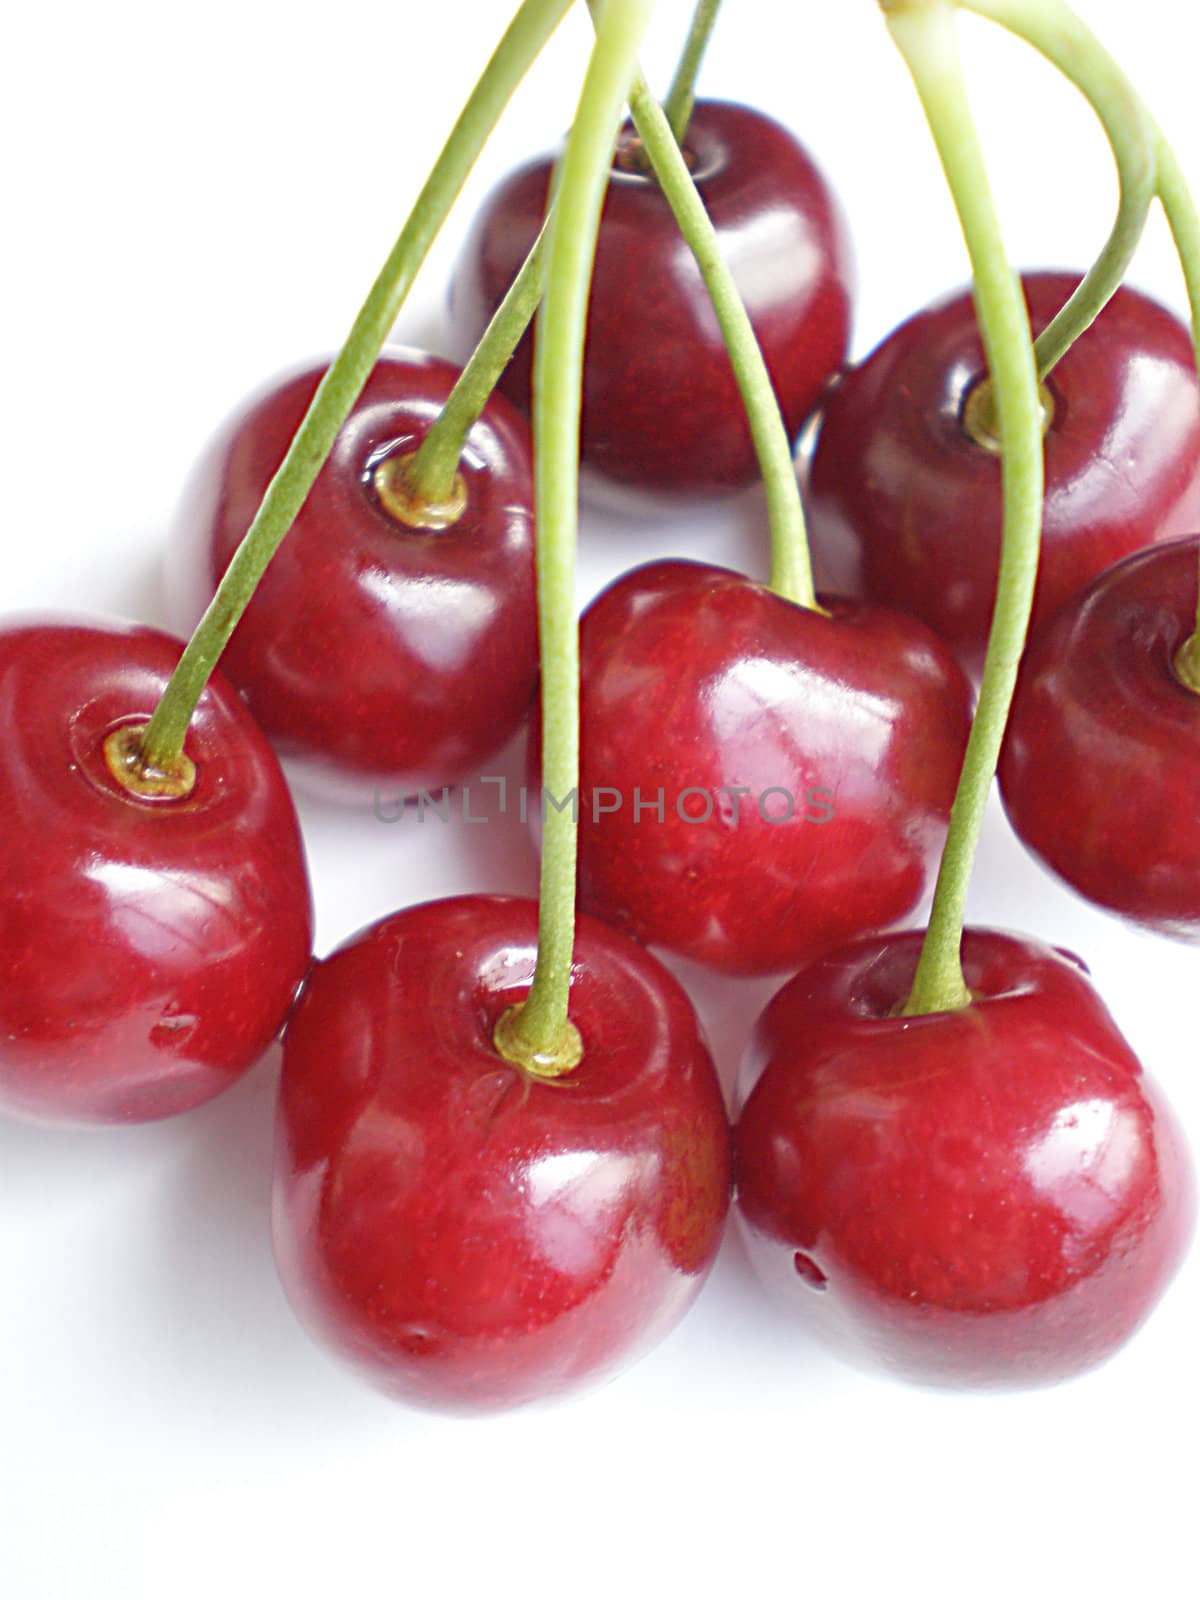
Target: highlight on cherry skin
x,y
905,503
992,1197
662,413
150,947
1100,771
380,652
465,1235
783,778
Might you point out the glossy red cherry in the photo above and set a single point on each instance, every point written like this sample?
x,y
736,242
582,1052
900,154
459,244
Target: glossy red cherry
x,y
467,1236
379,657
661,408
149,948
759,782
995,1196
1100,772
905,506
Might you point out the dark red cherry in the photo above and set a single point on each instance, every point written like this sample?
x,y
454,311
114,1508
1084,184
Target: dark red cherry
x,y
149,948
378,656
905,506
465,1235
989,1197
661,408
759,782
1100,771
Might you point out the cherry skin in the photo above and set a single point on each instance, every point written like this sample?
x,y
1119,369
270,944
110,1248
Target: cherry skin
x,y
150,949
467,1236
1100,772
990,1197
661,408
379,657
905,506
844,735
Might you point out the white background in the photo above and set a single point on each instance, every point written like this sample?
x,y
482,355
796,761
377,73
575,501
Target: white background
x,y
194,198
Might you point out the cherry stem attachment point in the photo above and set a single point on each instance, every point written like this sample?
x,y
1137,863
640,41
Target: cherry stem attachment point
x,y
564,1057
125,758
1187,663
925,36
977,417
413,505
342,384
540,1029
681,96
434,466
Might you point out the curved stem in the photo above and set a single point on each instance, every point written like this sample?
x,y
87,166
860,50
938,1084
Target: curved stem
x,y
1054,30
1184,222
538,1033
342,384
925,37
432,470
791,566
681,96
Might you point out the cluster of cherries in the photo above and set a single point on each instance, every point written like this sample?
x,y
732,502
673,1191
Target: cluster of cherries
x,y
994,1194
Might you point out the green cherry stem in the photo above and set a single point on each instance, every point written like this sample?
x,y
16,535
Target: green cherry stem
x,y
1184,222
681,96
530,28
1053,29
1147,167
538,1034
925,35
431,471
791,566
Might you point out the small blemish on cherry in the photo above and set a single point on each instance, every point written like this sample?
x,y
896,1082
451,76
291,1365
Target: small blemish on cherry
x,y
808,1269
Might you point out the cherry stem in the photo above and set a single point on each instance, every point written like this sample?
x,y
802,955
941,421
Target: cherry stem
x,y
681,96
1184,223
1054,30
925,35
432,470
539,1034
342,384
791,565
1147,167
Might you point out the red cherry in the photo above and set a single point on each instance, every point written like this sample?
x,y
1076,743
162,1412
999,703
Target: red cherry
x,y
995,1196
377,656
661,408
844,734
149,948
905,507
466,1235
1100,772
